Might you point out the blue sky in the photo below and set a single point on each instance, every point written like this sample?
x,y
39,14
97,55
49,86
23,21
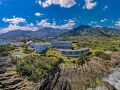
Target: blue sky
x,y
62,14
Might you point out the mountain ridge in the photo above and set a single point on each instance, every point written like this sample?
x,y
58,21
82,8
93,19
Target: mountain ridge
x,y
82,30
85,30
41,33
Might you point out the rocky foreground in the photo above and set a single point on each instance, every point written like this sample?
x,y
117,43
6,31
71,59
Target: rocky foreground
x,y
66,77
114,78
77,77
9,79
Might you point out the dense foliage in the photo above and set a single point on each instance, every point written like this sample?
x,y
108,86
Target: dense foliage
x,y
96,43
5,50
103,55
82,59
36,67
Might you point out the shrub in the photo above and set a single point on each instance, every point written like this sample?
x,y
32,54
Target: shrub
x,y
112,48
103,55
5,50
36,67
82,59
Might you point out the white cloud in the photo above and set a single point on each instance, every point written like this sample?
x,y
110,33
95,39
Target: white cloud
x,y
93,23
103,20
62,3
98,26
39,2
14,25
105,7
14,20
44,23
89,4
117,23
38,14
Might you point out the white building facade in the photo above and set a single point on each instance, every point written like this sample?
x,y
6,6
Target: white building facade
x,y
40,47
61,44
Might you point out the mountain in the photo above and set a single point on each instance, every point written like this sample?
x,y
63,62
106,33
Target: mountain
x,y
45,32
14,34
85,30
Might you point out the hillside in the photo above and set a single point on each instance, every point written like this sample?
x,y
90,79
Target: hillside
x,y
85,30
46,32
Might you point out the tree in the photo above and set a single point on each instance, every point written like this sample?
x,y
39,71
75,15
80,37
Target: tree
x,y
82,59
103,55
112,48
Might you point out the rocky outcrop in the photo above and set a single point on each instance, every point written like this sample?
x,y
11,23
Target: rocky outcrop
x,y
54,81
9,79
49,83
113,79
77,77
63,84
65,77
109,86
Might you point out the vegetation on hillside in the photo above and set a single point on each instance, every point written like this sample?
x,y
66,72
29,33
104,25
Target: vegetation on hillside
x,y
85,71
96,43
5,50
35,67
85,30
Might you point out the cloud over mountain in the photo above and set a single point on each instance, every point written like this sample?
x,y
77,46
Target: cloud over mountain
x,y
69,25
17,23
14,24
117,23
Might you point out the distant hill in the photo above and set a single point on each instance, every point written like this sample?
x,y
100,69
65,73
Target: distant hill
x,y
85,30
46,32
14,34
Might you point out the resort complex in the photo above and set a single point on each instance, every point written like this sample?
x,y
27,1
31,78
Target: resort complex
x,y
72,63
64,47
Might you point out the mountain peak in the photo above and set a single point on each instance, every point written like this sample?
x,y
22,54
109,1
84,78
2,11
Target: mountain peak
x,y
86,30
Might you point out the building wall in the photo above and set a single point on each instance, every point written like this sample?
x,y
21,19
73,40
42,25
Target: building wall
x,y
61,44
39,47
74,53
